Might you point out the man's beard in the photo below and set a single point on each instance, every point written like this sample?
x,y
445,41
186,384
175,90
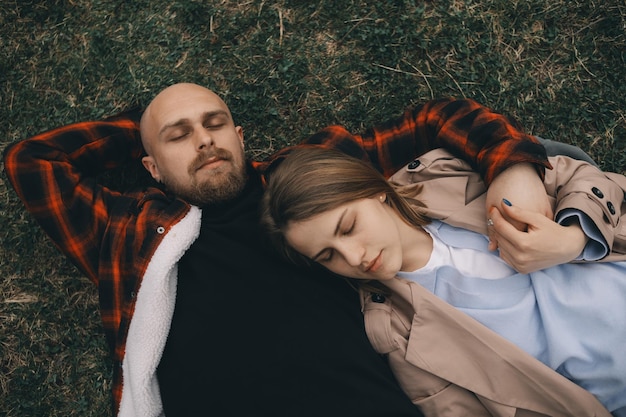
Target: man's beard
x,y
226,182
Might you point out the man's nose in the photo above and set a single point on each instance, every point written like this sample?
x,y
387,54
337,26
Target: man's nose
x,y
204,139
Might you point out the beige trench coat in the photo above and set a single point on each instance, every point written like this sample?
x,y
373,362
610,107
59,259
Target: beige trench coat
x,y
448,363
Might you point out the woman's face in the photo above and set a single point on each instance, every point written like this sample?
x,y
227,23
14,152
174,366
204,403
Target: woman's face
x,y
359,239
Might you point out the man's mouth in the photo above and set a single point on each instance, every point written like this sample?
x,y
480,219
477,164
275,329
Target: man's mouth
x,y
210,163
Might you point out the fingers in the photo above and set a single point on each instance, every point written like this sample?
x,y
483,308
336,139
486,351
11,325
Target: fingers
x,y
507,238
507,223
507,226
522,219
502,226
491,231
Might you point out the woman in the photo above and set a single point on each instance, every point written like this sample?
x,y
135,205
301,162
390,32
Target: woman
x,y
340,213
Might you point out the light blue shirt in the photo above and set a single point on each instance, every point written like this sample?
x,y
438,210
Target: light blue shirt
x,y
571,317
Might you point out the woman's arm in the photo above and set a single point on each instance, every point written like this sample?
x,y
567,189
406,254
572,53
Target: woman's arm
x,y
587,218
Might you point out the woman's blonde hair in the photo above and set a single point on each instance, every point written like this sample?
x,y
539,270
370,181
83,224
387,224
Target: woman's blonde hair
x,y
313,180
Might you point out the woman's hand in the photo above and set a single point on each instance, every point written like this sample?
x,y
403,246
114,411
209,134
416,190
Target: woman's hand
x,y
545,243
525,233
521,185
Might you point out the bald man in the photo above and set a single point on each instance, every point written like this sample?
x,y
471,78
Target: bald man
x,y
190,127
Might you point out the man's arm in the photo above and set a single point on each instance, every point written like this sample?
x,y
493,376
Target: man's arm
x,y
488,141
54,174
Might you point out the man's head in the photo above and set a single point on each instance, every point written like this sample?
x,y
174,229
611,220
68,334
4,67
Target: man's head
x,y
193,145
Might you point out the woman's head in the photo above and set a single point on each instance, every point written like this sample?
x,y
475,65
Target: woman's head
x,y
336,190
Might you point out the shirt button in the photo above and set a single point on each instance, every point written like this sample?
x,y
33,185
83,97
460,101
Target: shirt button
x,y
611,207
160,230
414,164
597,192
378,298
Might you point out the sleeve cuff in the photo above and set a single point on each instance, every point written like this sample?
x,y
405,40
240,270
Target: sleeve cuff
x,y
597,247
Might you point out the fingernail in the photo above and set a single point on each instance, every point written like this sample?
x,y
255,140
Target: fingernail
x,y
507,202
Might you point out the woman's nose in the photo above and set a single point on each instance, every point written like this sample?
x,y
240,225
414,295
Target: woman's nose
x,y
352,254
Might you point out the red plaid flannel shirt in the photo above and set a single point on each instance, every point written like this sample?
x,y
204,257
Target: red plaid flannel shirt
x,y
111,236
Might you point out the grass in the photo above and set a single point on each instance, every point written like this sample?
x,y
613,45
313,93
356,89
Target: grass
x,y
286,68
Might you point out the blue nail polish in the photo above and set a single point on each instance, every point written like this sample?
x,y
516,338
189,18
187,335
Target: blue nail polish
x,y
507,202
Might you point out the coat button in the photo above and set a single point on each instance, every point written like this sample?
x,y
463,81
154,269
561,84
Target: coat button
x,y
160,230
597,192
378,298
611,207
414,164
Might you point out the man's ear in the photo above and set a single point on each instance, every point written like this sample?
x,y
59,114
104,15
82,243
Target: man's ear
x,y
239,131
150,164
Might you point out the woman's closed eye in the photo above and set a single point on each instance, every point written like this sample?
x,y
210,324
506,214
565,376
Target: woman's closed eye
x,y
350,228
328,254
325,257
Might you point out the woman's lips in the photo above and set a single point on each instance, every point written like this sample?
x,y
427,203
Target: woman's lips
x,y
375,264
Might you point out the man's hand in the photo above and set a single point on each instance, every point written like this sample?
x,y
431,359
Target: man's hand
x,y
544,244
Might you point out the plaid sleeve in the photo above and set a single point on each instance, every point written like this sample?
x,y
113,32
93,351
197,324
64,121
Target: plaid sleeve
x,y
54,174
489,141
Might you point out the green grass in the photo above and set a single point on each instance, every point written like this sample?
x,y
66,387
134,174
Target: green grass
x,y
286,68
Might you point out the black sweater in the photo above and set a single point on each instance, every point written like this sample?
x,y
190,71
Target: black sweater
x,y
255,336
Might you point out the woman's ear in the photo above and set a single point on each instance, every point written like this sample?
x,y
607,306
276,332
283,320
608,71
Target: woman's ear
x,y
150,165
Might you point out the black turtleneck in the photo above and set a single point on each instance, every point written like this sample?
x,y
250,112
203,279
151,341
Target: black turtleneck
x,y
255,336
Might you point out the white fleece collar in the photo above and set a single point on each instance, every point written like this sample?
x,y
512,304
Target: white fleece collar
x,y
150,323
